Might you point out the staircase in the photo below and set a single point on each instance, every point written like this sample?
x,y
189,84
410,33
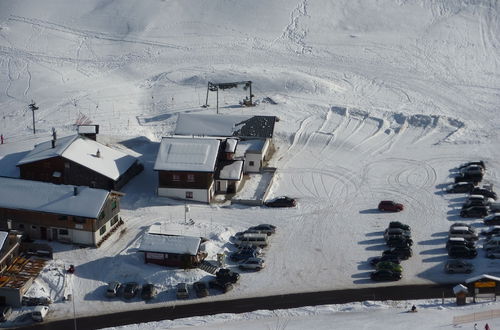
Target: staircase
x,y
208,267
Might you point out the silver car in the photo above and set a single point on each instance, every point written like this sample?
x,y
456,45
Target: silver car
x,y
252,263
458,266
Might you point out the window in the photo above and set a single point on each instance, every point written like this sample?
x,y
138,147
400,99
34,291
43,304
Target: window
x,y
79,219
114,220
176,177
190,177
33,227
189,194
66,165
102,215
251,163
63,217
64,232
113,204
102,230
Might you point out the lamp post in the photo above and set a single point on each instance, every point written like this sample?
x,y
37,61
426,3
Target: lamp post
x,y
33,107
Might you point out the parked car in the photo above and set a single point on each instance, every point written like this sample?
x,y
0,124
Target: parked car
x,y
480,163
398,241
397,224
252,263
458,266
485,192
283,201
494,207
492,219
392,258
5,311
130,290
243,255
252,241
491,243
474,212
227,275
459,241
39,313
480,198
472,170
390,206
264,228
390,266
460,187
462,224
491,231
462,252
201,289
245,249
148,291
385,275
465,232
474,202
402,253
182,291
112,289
220,285
493,253
248,232
474,178
396,231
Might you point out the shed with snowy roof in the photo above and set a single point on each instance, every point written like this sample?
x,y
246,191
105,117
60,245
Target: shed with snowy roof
x,y
483,286
77,160
172,250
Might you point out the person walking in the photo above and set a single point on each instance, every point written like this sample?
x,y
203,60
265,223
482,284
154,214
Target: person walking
x,y
475,326
1,138
486,327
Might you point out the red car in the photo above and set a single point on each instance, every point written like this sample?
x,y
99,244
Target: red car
x,y
390,206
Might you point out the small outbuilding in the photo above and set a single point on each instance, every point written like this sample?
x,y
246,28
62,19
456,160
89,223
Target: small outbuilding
x,y
483,286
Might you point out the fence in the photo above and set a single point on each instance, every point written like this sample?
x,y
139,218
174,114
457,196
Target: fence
x,y
469,318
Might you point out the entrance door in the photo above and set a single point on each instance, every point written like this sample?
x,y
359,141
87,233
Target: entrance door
x,y
43,232
54,234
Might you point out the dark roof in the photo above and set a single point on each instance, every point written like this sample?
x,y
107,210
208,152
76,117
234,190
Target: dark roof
x,y
256,126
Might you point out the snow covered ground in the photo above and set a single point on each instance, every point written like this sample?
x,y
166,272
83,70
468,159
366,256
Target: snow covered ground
x,y
376,100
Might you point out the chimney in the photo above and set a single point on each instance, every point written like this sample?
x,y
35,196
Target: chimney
x,y
53,144
75,191
98,154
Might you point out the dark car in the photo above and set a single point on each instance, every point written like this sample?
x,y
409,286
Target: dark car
x,y
398,241
474,178
491,231
264,228
461,187
391,258
390,266
201,289
474,212
474,202
130,290
462,252
5,311
243,255
385,275
397,224
396,231
390,206
459,241
480,163
220,285
492,219
402,253
485,192
148,291
283,201
226,275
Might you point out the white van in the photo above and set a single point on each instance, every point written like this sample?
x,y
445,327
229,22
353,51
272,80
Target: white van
x,y
39,313
259,241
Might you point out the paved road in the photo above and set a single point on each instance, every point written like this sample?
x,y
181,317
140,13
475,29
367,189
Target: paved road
x,y
252,304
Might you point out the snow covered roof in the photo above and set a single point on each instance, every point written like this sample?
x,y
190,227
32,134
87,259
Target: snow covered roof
x,y
231,170
222,125
170,244
174,229
231,145
110,163
479,277
185,154
88,129
248,146
459,288
51,198
3,238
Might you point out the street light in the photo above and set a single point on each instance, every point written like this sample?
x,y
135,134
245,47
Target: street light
x,y
33,107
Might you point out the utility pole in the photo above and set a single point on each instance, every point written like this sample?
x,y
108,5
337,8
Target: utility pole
x,y
33,107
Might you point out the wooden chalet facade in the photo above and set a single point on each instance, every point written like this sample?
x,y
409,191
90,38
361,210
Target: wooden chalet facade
x,y
65,213
77,160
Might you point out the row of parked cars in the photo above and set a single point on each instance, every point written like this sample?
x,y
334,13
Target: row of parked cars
x,y
250,244
388,267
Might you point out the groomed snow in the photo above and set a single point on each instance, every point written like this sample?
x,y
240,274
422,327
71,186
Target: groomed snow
x,y
375,99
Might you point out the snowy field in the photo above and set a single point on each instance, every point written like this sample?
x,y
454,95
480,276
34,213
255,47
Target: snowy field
x,y
376,100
